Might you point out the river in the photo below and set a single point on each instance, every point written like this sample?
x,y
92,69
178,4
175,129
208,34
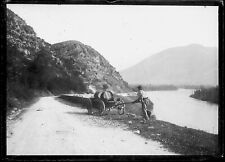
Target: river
x,y
178,108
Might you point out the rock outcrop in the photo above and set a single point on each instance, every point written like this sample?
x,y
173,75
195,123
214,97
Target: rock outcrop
x,y
92,66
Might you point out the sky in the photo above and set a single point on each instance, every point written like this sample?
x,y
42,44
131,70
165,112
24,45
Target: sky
x,y
123,34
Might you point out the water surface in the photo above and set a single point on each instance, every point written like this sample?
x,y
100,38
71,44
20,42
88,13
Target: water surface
x,y
178,108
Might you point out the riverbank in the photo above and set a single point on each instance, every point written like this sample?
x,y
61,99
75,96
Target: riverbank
x,y
181,140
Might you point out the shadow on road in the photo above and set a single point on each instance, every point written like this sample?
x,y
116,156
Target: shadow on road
x,y
69,103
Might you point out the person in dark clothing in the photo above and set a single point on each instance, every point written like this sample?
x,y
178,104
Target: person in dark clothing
x,y
143,99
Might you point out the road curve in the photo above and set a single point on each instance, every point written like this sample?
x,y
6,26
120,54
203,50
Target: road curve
x,y
50,127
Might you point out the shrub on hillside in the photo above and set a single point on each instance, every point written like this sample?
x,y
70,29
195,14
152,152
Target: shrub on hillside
x,y
64,85
18,94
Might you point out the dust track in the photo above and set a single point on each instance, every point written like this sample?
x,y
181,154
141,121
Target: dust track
x,y
50,127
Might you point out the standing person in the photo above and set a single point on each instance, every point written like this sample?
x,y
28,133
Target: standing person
x,y
142,98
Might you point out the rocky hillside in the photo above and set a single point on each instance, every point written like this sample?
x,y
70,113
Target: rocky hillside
x,y
22,36
188,65
35,67
22,44
94,68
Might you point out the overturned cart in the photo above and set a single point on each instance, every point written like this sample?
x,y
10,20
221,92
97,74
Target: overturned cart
x,y
103,104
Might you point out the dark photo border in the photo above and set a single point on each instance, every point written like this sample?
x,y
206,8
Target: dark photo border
x,y
3,74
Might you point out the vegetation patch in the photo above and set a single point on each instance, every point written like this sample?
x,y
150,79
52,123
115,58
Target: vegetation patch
x,y
151,87
207,94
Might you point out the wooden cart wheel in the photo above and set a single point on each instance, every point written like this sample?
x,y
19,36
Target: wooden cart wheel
x,y
101,106
121,108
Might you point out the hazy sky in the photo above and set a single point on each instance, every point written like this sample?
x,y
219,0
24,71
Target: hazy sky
x,y
123,34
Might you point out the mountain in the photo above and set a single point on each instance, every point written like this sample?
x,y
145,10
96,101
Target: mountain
x,y
36,67
91,65
187,65
22,45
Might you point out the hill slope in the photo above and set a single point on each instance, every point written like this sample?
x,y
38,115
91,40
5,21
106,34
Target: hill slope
x,y
91,65
189,65
35,67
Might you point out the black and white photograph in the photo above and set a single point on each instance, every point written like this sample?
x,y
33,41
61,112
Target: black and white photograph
x,y
87,79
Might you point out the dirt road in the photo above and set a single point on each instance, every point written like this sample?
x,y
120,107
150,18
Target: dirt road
x,y
50,127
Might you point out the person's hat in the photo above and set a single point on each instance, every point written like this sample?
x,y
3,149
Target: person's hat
x,y
139,87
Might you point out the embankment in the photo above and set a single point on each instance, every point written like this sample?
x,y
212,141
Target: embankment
x,y
181,140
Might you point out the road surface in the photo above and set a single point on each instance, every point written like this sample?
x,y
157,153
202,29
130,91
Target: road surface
x,y
51,127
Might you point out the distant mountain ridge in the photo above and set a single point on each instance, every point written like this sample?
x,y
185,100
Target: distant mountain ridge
x,y
186,65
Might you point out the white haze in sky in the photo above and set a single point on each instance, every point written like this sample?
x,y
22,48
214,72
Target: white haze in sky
x,y
123,34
